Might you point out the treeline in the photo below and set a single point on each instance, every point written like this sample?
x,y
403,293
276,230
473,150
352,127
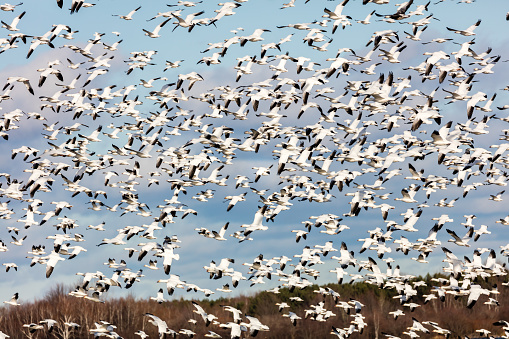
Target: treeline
x,y
127,313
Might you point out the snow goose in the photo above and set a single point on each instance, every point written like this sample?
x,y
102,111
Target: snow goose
x,y
474,294
396,313
25,81
256,225
32,327
456,264
188,22
207,317
160,297
212,334
408,196
155,32
162,327
9,7
255,325
13,301
461,241
18,242
14,23
129,16
52,259
237,314
467,32
50,323
235,329
142,334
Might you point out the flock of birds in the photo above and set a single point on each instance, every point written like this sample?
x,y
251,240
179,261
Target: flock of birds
x,y
280,130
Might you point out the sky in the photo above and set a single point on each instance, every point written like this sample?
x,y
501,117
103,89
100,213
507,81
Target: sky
x,y
278,240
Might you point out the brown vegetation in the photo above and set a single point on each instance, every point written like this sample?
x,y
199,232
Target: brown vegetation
x,y
128,313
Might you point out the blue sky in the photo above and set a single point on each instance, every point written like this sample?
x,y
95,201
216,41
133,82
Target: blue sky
x,y
278,240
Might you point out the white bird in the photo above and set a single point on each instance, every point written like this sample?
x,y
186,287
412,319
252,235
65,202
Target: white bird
x,y
256,225
9,7
234,199
18,242
461,241
12,27
168,256
366,20
467,32
235,330
212,334
237,314
162,327
155,32
474,294
396,313
129,16
32,327
50,323
94,75
142,334
346,257
160,297
188,22
207,317
255,325
482,230
282,306
47,71
14,300
25,81
51,260
293,317
417,326
219,235
408,196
